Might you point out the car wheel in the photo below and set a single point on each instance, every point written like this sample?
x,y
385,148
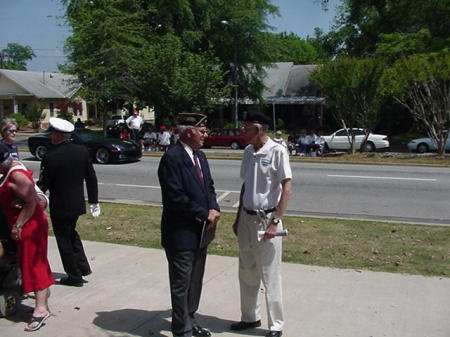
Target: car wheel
x,y
9,303
102,156
369,147
40,151
234,145
422,148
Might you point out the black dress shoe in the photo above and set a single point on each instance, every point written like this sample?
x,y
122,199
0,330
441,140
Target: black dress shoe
x,y
239,326
72,282
198,331
86,273
274,334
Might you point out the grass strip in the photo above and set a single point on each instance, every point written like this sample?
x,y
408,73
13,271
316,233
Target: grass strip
x,y
355,244
379,158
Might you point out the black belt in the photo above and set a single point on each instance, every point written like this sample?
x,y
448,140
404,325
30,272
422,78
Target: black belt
x,y
251,212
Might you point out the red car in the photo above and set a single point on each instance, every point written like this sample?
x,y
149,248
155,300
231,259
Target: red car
x,y
231,137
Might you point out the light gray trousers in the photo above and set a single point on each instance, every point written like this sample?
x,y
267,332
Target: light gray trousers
x,y
259,261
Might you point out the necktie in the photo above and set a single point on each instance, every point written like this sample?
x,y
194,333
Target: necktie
x,y
197,166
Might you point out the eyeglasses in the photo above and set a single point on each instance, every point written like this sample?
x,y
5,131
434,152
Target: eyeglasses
x,y
12,131
202,132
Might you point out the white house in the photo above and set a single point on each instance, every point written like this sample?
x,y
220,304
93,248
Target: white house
x,y
20,90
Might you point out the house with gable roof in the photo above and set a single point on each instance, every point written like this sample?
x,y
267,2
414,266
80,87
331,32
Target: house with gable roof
x,y
20,90
55,92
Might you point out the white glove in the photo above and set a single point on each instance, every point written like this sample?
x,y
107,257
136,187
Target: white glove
x,y
95,210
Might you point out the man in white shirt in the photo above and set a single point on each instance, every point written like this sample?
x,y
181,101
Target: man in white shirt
x,y
163,139
278,139
134,123
265,193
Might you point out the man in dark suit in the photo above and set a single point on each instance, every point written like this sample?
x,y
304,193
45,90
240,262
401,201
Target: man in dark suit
x,y
63,171
190,214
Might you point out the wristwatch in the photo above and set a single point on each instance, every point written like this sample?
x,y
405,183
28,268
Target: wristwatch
x,y
276,221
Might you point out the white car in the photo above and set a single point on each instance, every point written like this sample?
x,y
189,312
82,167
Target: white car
x,y
340,141
114,120
422,145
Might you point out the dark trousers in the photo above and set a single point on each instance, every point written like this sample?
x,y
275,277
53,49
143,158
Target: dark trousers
x,y
70,248
135,135
186,269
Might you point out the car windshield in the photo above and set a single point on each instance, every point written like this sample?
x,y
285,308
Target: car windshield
x,y
89,135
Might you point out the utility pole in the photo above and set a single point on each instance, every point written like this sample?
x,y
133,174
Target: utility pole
x,y
235,109
2,62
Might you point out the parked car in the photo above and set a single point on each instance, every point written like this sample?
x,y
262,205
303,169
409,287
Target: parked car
x,y
340,141
231,137
102,150
422,145
114,120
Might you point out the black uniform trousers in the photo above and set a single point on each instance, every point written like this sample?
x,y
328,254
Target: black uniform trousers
x,y
186,269
70,247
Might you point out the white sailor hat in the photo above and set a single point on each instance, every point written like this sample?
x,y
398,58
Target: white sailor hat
x,y
60,125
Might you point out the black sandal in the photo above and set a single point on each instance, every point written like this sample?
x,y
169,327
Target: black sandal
x,y
39,320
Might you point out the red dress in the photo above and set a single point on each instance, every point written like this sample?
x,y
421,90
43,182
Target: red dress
x,y
32,247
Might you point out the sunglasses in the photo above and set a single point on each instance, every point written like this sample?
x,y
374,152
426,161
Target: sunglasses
x,y
12,131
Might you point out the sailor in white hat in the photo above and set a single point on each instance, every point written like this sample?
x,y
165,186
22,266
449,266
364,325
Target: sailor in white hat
x,y
60,125
64,170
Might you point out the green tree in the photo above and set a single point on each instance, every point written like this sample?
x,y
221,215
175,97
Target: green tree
x,y
105,44
401,27
353,89
421,83
285,47
137,50
236,34
15,56
174,79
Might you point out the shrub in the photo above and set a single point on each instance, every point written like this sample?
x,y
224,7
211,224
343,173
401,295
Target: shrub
x,y
67,115
35,115
20,119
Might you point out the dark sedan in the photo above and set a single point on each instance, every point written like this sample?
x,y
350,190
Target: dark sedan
x,y
102,150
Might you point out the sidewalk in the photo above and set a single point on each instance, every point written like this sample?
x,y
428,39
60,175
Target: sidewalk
x,y
128,295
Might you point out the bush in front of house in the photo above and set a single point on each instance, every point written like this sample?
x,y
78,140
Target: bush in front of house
x,y
35,115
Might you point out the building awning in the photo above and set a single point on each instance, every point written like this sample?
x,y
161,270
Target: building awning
x,y
7,95
301,100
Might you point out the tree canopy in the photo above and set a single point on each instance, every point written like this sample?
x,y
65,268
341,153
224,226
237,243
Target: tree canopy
x,y
353,90
173,55
16,56
396,28
285,47
421,83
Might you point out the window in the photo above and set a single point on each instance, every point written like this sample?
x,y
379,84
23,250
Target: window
x,y
359,132
341,133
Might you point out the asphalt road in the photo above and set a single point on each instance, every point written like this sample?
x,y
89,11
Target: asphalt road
x,y
394,193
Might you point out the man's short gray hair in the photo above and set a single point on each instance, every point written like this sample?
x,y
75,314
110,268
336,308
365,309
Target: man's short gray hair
x,y
183,128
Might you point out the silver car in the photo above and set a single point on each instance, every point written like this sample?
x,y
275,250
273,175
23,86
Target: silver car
x,y
340,140
422,145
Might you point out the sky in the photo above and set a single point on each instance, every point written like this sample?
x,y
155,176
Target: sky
x,y
39,24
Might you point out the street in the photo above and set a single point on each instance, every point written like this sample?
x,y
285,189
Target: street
x,y
393,193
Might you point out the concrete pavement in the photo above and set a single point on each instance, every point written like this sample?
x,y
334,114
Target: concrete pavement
x,y
128,295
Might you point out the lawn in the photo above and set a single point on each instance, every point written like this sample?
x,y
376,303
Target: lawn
x,y
377,158
369,245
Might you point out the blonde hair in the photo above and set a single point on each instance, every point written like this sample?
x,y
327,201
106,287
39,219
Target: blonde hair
x,y
6,123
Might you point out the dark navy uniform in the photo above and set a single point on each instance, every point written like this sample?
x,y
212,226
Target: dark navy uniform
x,y
63,170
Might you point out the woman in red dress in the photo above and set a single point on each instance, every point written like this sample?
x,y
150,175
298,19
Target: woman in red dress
x,y
29,228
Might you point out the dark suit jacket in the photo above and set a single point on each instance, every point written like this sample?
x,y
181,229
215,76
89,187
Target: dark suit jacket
x,y
186,200
64,169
